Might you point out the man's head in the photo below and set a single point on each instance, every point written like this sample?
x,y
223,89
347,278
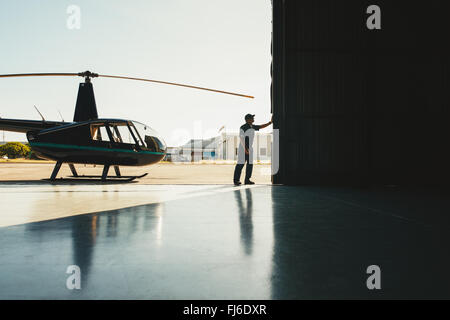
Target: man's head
x,y
249,118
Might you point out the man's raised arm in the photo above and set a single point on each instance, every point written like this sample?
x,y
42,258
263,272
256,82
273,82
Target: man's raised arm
x,y
262,126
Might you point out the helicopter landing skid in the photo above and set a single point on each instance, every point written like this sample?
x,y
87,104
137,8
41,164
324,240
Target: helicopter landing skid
x,y
109,178
103,178
88,178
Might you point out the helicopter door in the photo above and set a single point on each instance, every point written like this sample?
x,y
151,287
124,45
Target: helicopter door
x,y
115,133
99,132
101,136
123,134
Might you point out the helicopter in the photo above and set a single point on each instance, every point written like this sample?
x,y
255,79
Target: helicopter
x,y
89,139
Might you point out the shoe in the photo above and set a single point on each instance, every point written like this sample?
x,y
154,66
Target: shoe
x,y
237,183
249,182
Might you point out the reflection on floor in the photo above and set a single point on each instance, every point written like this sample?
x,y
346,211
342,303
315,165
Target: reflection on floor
x,y
33,203
220,242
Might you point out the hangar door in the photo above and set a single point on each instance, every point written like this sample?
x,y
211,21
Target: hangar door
x,y
360,92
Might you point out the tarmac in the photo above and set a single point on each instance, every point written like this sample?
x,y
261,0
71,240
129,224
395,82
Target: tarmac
x,y
161,173
216,241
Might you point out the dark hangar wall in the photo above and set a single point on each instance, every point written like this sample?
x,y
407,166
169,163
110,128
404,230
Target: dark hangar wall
x,y
358,106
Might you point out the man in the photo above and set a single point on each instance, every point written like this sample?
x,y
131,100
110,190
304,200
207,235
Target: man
x,y
245,152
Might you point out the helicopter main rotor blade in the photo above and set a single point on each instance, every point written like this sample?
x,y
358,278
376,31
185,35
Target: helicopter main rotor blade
x,y
38,75
87,75
177,84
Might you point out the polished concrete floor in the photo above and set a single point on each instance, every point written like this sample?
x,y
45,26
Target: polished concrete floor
x,y
221,242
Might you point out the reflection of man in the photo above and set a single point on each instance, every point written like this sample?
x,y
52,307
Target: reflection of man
x,y
245,152
245,220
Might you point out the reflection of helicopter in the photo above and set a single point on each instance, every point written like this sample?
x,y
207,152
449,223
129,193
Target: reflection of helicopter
x,y
89,140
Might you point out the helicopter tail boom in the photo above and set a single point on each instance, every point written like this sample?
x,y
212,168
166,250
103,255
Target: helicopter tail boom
x,y
24,126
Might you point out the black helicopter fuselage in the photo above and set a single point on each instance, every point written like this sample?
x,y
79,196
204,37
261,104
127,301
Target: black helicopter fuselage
x,y
102,141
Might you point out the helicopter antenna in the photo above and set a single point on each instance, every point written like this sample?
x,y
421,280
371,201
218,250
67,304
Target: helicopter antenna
x,y
61,116
43,119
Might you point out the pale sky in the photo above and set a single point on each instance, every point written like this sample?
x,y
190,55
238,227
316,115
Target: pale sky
x,y
221,44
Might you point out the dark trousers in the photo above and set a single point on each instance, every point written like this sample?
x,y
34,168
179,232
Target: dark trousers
x,y
240,166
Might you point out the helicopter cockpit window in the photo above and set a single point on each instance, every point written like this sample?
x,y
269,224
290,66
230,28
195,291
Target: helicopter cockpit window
x,y
99,133
137,136
151,139
114,134
123,133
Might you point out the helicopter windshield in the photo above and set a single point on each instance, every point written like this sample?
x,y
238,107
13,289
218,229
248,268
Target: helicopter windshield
x,y
149,137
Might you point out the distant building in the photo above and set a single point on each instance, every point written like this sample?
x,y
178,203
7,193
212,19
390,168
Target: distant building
x,y
170,153
228,144
173,154
223,147
198,149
